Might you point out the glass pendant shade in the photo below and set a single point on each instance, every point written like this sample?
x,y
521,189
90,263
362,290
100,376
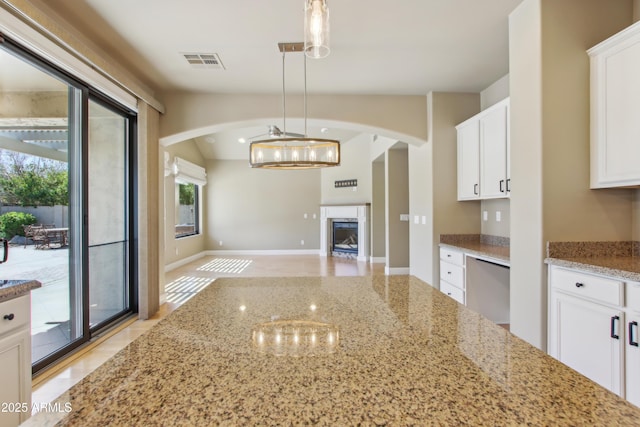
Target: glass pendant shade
x,y
316,29
294,153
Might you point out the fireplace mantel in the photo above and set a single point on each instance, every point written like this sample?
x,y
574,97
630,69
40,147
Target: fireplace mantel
x,y
359,213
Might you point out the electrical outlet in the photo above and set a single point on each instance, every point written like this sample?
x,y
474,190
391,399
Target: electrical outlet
x,y
305,216
498,216
220,243
314,216
301,242
485,216
416,219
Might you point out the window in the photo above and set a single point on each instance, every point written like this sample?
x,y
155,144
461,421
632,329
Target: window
x,y
189,178
187,209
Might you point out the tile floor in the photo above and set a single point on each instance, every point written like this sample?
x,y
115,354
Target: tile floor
x,y
181,284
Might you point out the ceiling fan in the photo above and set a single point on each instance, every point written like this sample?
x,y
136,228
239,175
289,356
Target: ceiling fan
x,y
275,132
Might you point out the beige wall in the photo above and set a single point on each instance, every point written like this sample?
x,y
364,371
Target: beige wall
x,y
354,164
496,92
256,209
150,204
184,247
192,115
397,203
549,84
636,10
438,196
378,209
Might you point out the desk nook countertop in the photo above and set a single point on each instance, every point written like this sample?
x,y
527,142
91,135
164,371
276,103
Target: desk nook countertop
x,y
333,351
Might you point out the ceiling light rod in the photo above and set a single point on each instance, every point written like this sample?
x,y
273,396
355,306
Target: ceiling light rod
x,y
298,152
316,28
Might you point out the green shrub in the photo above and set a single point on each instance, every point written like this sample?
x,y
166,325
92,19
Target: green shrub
x,y
11,223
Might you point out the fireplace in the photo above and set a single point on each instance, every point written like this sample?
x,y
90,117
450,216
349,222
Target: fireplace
x,y
345,237
344,231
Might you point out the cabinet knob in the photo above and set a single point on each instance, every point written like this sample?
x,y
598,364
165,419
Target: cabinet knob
x,y
449,293
448,272
10,316
579,285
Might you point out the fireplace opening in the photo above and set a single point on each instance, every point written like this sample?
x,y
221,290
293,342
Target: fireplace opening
x,y
345,237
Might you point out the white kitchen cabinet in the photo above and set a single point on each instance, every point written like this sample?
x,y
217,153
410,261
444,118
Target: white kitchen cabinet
x,y
587,325
632,346
483,154
615,108
469,160
493,151
15,360
452,275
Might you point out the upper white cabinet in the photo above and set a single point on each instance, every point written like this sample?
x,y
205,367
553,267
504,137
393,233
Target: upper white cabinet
x,y
483,154
469,160
615,109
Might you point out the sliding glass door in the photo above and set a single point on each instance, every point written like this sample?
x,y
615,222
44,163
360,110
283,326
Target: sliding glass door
x,y
74,148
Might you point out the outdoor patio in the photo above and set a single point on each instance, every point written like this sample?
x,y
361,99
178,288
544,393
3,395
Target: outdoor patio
x,y
50,303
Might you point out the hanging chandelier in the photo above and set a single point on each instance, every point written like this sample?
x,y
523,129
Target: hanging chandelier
x,y
290,151
316,28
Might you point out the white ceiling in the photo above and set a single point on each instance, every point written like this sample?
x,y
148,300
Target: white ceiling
x,y
403,47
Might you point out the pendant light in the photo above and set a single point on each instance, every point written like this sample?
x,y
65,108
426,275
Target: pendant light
x,y
287,152
316,28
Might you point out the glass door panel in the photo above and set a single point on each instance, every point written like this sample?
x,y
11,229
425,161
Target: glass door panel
x,y
108,229
39,176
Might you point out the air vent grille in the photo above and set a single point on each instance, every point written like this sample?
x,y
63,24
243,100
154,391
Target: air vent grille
x,y
204,60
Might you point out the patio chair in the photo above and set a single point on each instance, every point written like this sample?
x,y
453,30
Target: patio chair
x,y
28,232
40,238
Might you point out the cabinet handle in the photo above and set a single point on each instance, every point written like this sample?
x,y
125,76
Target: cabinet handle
x,y
475,189
502,185
509,185
614,320
579,285
9,316
448,272
631,341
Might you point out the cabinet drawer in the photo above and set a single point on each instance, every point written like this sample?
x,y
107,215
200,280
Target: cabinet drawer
x,y
453,274
450,290
602,289
20,308
633,295
451,256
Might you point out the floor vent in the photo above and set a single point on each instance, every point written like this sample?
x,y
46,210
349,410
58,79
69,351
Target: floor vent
x,y
204,60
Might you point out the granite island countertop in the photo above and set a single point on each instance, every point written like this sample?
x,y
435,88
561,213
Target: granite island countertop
x,y
401,353
10,289
481,245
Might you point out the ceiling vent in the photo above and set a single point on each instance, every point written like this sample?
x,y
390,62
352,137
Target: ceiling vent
x,y
204,60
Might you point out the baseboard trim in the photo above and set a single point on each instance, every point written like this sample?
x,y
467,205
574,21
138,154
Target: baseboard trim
x,y
377,260
396,271
264,252
183,261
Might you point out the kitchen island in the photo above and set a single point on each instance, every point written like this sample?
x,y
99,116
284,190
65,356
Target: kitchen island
x,y
371,350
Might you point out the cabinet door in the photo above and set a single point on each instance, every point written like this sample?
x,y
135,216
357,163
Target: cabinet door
x,y
15,377
493,153
469,160
615,108
589,338
632,359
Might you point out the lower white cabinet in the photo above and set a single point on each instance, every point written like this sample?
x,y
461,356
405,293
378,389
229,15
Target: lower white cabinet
x,y
452,275
15,361
593,330
586,337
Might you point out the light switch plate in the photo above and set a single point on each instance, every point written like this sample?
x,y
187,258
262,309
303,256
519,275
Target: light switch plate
x,y
416,219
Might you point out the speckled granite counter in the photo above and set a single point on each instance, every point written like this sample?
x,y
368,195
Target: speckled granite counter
x,y
617,259
406,355
479,244
10,289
